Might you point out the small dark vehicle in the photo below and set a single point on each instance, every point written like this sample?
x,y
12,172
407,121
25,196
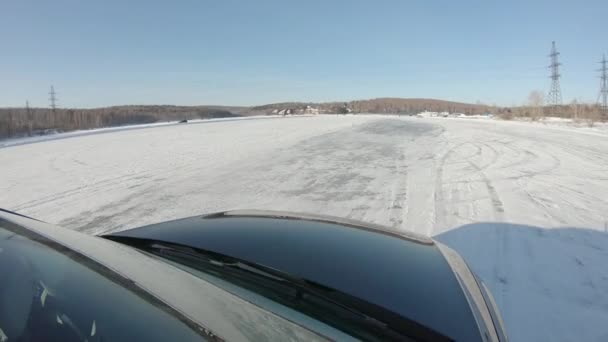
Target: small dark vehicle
x,y
237,276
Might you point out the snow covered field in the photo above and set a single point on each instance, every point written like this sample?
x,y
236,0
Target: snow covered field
x,y
79,133
526,204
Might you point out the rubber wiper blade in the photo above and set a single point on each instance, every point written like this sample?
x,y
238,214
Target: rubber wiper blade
x,y
302,286
341,310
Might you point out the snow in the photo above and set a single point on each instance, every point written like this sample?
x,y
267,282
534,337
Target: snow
x,y
78,133
71,134
581,125
523,202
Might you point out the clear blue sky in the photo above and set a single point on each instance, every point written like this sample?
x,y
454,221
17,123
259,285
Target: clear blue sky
x,y
231,52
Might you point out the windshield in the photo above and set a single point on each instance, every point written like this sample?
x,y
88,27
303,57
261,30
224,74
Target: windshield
x,y
482,125
49,293
356,317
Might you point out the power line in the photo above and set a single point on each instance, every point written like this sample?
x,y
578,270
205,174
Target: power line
x,y
555,94
28,111
53,104
29,116
603,86
53,99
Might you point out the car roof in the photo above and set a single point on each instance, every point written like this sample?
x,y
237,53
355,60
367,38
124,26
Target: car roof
x,y
403,273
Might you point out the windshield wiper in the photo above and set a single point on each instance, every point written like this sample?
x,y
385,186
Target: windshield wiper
x,y
340,310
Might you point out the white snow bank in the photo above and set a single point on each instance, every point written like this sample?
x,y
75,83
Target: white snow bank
x,y
580,125
576,123
77,133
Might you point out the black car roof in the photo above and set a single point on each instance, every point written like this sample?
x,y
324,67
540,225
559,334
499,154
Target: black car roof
x,y
404,273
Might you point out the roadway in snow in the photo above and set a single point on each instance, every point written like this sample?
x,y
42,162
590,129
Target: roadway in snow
x,y
525,205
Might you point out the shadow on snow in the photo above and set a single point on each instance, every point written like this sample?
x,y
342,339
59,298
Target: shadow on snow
x,y
550,284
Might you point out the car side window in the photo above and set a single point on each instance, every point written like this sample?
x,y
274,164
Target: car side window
x,y
49,293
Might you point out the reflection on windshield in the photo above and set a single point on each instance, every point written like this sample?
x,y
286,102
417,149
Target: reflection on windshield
x,y
48,294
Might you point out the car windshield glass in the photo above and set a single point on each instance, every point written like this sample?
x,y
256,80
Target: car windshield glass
x,y
349,314
52,294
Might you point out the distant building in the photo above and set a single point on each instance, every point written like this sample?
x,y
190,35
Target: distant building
x,y
427,114
311,110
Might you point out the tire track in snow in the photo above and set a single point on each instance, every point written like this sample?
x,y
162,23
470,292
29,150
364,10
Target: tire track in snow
x,y
91,188
441,214
439,201
397,209
497,204
528,155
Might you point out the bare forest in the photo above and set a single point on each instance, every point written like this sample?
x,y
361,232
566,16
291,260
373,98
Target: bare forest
x,y
17,122
25,121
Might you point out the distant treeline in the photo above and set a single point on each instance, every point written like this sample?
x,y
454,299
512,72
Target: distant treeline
x,y
589,112
385,106
414,106
17,122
